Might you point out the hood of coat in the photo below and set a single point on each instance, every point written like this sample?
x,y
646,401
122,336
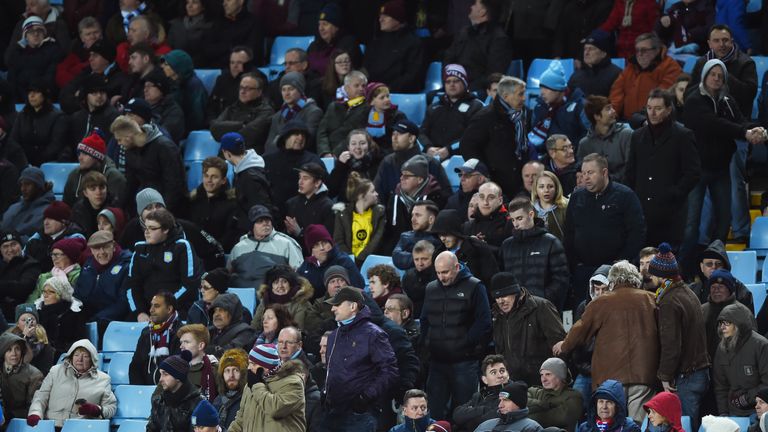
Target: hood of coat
x,y
304,294
668,405
152,131
230,303
716,250
614,391
181,63
738,314
251,159
291,367
85,343
7,340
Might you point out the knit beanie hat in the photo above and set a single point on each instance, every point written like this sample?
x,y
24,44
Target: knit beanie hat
x,y
31,22
236,357
517,392
371,88
218,278
418,165
140,107
331,13
440,426
115,217
762,392
105,49
315,233
31,309
58,211
554,77
724,277
72,247
177,365
205,414
295,80
396,10
504,284
33,175
264,355
719,424
335,271
233,142
62,287
94,146
158,78
458,71
600,39
10,235
558,368
664,264
148,196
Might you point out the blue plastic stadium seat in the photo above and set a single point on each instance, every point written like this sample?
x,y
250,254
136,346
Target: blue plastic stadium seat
x,y
284,43
515,69
19,107
208,77
434,79
669,4
413,105
122,336
133,426
272,71
247,297
538,66
200,145
449,165
620,62
134,402
743,266
758,295
761,65
373,260
20,425
686,423
57,173
743,423
118,367
85,425
93,333
758,236
330,164
689,64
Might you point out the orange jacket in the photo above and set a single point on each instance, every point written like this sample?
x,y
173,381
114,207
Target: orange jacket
x,y
629,92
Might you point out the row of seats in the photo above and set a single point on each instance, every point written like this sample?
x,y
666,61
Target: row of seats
x,y
79,425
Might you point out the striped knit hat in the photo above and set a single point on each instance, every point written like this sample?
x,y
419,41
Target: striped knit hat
x,y
264,355
664,264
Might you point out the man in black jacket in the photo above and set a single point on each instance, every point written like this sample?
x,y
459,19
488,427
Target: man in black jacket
x,y
250,115
662,169
172,407
491,221
474,253
18,274
157,341
96,111
311,205
237,27
597,72
484,405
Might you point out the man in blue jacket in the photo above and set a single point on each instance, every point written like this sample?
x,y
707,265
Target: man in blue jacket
x,y
362,368
608,410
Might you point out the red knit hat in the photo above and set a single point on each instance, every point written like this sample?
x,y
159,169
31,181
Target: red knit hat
x,y
94,146
315,233
58,211
396,10
440,426
72,247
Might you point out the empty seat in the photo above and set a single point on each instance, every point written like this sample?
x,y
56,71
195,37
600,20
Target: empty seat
x,y
758,295
515,69
434,79
373,260
329,163
413,105
122,336
743,265
620,62
758,236
133,426
118,368
134,402
20,425
247,297
200,145
57,173
93,333
208,77
450,165
85,425
284,43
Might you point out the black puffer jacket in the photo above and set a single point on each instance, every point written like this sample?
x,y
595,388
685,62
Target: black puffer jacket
x,y
482,50
537,259
173,411
42,135
595,80
446,121
397,58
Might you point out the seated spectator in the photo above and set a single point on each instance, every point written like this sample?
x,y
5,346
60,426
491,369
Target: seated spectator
x,y
31,58
141,61
472,252
713,258
472,174
60,314
362,155
560,160
415,279
52,18
157,341
332,82
226,89
449,115
295,104
554,403
40,128
27,327
648,69
166,112
295,61
484,404
171,407
75,388
608,410
249,116
189,91
550,204
606,137
415,412
513,411
399,309
65,254
684,27
332,37
57,225
324,254
678,89
383,281
597,72
721,285
18,273
101,284
95,198
359,226
760,410
343,115
111,219
101,62
213,205
311,205
491,222
422,212
188,32
664,411
275,318
381,116
212,284
630,21
142,29
19,380
96,113
227,328
492,86
558,110
284,286
260,250
530,172
236,26
119,23
396,55
26,215
195,338
231,380
205,416
152,160
293,151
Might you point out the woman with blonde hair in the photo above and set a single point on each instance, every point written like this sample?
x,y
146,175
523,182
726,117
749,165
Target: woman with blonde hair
x,y
360,226
549,202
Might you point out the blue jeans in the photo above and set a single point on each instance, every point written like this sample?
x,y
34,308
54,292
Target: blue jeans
x,y
739,198
718,183
451,382
583,384
347,421
690,389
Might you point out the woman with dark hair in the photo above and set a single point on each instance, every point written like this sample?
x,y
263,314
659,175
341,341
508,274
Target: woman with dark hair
x,y
360,225
282,285
40,128
330,36
381,117
275,318
332,82
361,156
187,31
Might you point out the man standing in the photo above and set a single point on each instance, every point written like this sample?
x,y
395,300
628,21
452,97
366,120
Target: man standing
x,y
491,222
232,378
606,137
662,169
157,341
311,205
416,279
455,333
195,338
557,111
560,160
472,175
171,407
474,253
715,258
597,72
362,368
423,217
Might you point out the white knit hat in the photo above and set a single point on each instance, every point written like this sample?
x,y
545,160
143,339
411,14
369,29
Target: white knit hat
x,y
711,423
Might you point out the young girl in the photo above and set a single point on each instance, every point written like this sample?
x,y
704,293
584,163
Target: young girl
x,y
549,202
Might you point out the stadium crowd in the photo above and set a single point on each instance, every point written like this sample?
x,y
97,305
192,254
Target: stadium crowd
x,y
409,272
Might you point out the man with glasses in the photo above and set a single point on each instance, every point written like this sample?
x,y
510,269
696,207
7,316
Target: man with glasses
x,y
399,309
561,161
715,258
472,175
295,61
250,116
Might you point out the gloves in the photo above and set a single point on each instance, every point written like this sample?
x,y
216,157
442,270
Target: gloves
x,y
89,410
254,378
360,405
741,402
33,420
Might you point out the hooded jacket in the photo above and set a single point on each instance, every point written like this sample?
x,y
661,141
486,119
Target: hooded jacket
x,y
282,163
116,184
18,278
741,370
388,174
237,334
250,259
711,312
614,391
63,386
614,146
173,411
315,272
514,421
19,383
629,92
297,306
716,250
250,119
102,289
742,79
189,91
668,406
482,406
26,217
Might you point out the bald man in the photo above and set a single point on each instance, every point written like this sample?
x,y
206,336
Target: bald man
x,y
458,336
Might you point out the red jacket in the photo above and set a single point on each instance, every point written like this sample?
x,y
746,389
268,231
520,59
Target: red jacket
x,y
644,15
668,405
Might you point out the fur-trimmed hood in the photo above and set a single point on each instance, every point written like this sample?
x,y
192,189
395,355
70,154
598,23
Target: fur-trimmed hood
x,y
305,293
291,367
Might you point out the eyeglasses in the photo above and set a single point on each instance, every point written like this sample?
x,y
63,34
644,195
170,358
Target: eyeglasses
x,y
391,309
55,255
151,229
565,149
721,323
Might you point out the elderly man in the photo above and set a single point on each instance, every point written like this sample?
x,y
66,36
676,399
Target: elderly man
x,y
606,137
472,175
597,72
513,411
608,410
18,273
455,334
88,32
228,329
291,347
296,103
399,309
226,89
343,116
530,171
157,341
554,403
560,160
177,398
141,29
250,115
484,404
627,314
491,222
55,25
